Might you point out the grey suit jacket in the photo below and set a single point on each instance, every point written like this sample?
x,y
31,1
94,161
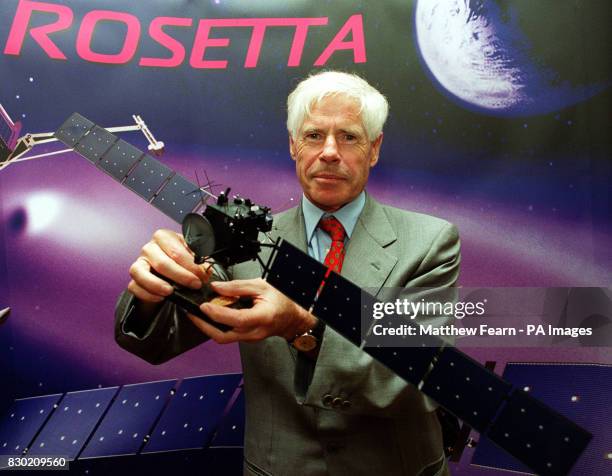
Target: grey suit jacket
x,y
384,425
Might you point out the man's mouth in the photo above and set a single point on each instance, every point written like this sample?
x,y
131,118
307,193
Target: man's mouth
x,y
329,177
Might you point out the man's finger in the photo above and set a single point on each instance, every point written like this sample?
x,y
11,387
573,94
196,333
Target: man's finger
x,y
229,316
215,334
173,245
161,262
145,282
142,293
240,287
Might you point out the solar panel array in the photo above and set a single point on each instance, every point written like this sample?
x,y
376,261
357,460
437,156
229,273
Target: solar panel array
x,y
579,391
135,419
461,385
166,190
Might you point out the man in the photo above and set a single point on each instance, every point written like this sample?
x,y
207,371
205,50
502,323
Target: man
x,y
329,410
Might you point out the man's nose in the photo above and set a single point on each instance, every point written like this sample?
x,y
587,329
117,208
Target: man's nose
x,y
330,149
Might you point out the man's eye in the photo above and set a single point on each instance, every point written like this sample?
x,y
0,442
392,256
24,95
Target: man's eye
x,y
313,136
349,138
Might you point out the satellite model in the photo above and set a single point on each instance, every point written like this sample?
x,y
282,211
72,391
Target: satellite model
x,y
229,232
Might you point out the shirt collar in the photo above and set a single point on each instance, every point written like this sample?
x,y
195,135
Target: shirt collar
x,y
347,215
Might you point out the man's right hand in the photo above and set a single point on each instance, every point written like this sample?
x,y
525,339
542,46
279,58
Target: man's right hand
x,y
167,254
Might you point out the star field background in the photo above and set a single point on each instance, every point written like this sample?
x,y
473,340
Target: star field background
x,y
530,193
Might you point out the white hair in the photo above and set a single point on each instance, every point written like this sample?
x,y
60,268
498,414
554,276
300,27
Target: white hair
x,y
373,106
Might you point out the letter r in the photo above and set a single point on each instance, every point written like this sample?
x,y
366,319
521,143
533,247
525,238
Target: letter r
x,y
40,34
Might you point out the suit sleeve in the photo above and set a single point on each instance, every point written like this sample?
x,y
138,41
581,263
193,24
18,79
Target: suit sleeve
x,y
155,338
342,370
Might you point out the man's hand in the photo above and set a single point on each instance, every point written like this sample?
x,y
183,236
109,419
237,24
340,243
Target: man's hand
x,y
272,314
168,254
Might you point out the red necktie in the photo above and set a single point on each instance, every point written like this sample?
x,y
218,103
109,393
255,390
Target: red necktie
x,y
335,255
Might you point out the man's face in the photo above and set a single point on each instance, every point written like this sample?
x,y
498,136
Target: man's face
x,y
333,154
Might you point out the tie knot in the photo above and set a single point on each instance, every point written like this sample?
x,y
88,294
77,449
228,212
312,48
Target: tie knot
x,y
333,228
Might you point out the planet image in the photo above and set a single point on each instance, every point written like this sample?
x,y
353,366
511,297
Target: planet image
x,y
513,58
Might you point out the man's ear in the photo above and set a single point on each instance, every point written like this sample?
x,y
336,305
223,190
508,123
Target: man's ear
x,y
376,150
292,151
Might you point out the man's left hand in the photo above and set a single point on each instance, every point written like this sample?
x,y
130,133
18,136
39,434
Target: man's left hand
x,y
272,314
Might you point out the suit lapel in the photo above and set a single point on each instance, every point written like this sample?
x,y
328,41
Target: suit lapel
x,y
367,262
290,226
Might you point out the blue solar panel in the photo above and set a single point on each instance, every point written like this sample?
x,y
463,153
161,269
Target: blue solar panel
x,y
146,178
72,423
296,275
193,414
340,304
466,388
231,431
118,161
410,363
545,440
71,131
129,420
178,197
23,421
577,391
95,144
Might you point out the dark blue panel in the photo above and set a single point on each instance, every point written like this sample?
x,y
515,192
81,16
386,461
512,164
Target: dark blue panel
x,y
231,431
543,439
296,275
410,363
69,427
193,414
71,131
23,421
340,304
95,144
178,197
129,420
466,388
146,178
119,159
577,391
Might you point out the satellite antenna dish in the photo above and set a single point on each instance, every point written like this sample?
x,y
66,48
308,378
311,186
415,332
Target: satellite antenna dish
x,y
199,235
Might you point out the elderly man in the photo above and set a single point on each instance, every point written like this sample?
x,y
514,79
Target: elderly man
x,y
315,404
